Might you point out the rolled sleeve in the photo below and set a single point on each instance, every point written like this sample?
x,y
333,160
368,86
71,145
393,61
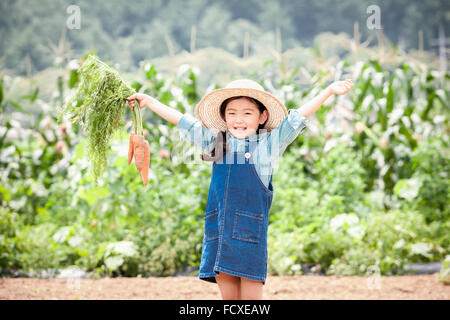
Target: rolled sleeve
x,y
288,130
193,131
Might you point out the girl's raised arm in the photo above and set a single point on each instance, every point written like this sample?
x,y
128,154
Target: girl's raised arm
x,y
191,129
297,119
337,87
146,101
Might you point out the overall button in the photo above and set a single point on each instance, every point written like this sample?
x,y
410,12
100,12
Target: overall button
x,y
247,155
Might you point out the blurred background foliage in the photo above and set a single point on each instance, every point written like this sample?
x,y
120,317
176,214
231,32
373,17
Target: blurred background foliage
x,y
129,32
364,188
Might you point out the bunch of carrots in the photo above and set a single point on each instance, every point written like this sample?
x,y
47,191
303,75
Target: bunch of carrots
x,y
102,92
138,147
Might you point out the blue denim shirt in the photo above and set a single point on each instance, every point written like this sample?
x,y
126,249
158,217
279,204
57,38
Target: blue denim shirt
x,y
270,144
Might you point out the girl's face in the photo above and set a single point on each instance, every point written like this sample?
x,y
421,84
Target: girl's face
x,y
243,117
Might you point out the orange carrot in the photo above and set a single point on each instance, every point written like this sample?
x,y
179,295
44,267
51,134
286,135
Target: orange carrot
x,y
138,142
144,172
130,148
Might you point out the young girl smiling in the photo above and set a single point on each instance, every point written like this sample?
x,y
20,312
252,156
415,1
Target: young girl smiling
x,y
243,130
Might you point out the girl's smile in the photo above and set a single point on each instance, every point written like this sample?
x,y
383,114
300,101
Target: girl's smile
x,y
243,118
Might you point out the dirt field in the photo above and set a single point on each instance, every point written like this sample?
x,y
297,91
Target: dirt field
x,y
186,288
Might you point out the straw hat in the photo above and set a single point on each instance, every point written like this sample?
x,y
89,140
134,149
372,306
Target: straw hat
x,y
208,109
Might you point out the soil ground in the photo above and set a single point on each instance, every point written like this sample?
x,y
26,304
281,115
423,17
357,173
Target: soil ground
x,y
409,287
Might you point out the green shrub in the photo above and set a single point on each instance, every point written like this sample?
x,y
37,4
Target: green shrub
x,y
444,275
9,221
391,241
429,187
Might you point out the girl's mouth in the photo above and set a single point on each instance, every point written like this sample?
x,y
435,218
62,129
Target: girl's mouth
x,y
240,128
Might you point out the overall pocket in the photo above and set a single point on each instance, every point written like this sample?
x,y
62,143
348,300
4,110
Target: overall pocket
x,y
247,226
211,225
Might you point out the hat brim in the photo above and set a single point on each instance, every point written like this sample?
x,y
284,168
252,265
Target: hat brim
x,y
208,109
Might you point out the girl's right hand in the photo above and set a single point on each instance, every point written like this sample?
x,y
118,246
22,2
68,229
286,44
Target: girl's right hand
x,y
143,99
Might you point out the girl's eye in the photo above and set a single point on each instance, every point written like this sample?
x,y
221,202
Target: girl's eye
x,y
247,113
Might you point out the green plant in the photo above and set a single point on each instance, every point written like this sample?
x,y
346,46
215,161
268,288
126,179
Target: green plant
x,y
99,105
8,244
390,241
444,275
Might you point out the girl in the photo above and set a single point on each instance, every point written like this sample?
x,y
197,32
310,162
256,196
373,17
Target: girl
x,y
242,129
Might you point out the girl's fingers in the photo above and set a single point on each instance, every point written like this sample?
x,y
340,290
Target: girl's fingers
x,y
133,97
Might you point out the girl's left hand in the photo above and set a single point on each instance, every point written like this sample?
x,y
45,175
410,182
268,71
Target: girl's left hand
x,y
341,87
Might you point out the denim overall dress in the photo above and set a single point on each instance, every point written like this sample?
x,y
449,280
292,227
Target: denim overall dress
x,y
236,219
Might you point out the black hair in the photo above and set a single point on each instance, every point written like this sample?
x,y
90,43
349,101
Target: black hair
x,y
220,142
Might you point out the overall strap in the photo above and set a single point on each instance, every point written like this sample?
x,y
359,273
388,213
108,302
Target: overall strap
x,y
250,146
